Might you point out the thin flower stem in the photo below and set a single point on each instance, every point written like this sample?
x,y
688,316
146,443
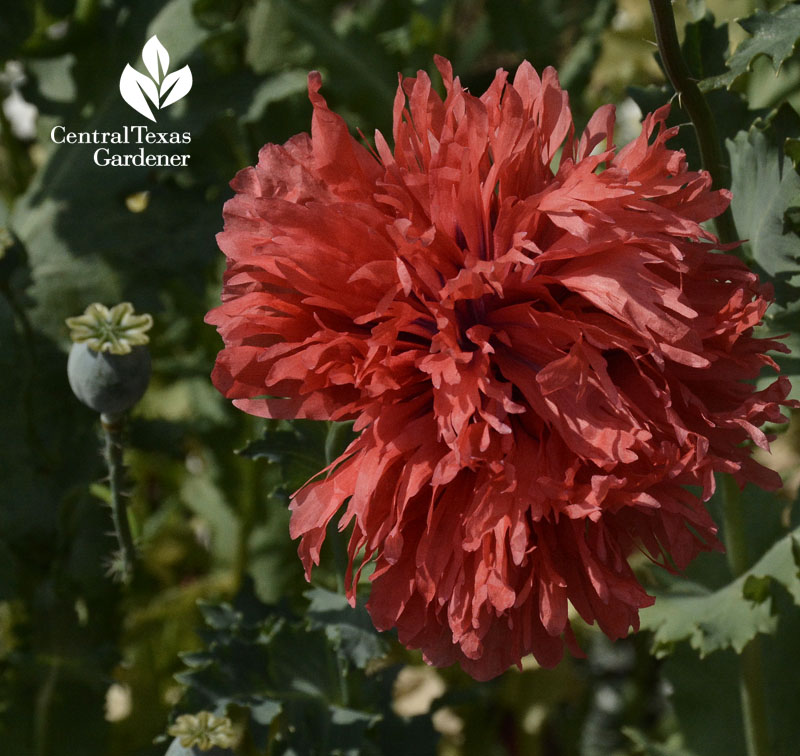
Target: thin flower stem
x,y
692,101
112,432
751,681
734,529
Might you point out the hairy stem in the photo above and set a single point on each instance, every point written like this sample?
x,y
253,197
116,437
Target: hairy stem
x,y
696,107
751,670
112,433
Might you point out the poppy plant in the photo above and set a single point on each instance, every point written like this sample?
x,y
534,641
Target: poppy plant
x,y
537,341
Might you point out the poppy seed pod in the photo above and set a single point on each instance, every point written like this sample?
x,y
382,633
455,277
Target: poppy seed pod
x,y
108,383
109,363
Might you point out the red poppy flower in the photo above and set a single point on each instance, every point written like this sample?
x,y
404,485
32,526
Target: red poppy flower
x,y
536,341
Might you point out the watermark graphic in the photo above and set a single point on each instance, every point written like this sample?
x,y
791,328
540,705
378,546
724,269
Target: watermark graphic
x,y
160,88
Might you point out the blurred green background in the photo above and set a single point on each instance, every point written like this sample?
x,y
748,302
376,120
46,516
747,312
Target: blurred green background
x,y
87,667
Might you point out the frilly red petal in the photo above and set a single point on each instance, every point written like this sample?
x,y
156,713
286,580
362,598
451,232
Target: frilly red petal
x,y
539,358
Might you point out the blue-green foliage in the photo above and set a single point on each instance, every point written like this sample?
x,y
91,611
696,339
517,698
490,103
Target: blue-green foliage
x,y
315,682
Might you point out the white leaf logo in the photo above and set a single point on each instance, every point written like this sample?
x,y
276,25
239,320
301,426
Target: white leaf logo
x,y
160,88
175,86
154,53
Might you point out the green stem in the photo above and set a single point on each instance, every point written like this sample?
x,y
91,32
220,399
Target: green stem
x,y
112,432
696,107
751,668
733,527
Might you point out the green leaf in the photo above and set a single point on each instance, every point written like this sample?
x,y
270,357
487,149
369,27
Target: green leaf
x,y
349,629
765,186
292,673
774,35
354,57
262,713
220,616
704,694
729,617
348,727
705,46
301,448
203,497
282,446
